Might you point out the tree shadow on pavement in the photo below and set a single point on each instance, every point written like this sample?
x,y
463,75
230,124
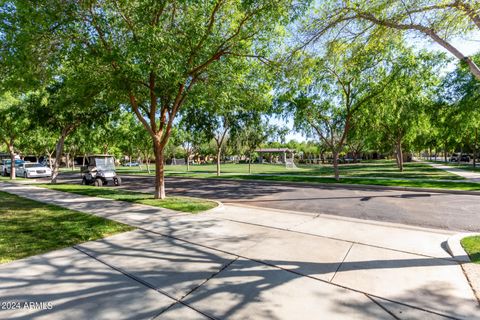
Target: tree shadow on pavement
x,y
140,274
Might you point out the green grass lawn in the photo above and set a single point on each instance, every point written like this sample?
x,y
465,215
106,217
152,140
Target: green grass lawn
x,y
378,169
463,166
184,204
28,227
379,172
431,184
2,178
472,247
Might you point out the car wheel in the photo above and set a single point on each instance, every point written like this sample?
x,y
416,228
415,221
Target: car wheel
x,y
25,175
97,183
117,181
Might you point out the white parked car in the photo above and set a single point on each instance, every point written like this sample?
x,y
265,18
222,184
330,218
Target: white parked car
x,y
32,170
5,168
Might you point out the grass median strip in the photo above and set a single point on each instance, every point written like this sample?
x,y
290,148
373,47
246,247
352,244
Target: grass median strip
x,y
429,184
378,169
472,247
29,227
183,204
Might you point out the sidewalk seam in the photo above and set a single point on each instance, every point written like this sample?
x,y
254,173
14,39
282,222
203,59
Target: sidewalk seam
x,y
140,281
343,260
383,307
197,287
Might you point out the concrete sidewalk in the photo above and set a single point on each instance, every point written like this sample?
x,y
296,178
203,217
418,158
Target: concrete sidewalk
x,y
239,263
469,175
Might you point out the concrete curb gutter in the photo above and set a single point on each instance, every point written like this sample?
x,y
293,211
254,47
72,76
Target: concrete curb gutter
x,y
220,207
471,270
455,248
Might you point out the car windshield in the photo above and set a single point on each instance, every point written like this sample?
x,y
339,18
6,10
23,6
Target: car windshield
x,y
33,165
17,162
107,163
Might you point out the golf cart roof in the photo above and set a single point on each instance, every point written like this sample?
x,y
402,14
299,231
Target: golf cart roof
x,y
99,155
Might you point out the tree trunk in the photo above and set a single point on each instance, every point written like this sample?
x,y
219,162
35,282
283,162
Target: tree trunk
x,y
219,152
400,155
50,161
397,158
475,149
188,162
12,161
335,165
250,164
460,156
445,152
159,171
58,156
68,160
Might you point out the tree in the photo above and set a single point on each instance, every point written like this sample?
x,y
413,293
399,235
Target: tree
x,y
251,137
459,107
157,51
190,139
76,97
38,142
437,20
399,115
143,143
13,123
328,92
229,101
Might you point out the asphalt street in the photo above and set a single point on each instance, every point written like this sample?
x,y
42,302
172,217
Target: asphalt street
x,y
424,209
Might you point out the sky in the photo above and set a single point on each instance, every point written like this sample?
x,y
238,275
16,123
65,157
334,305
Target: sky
x,y
468,46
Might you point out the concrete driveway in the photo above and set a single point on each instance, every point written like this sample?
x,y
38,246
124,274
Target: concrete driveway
x,y
238,263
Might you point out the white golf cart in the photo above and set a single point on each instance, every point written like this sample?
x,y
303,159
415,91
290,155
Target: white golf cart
x,y
100,171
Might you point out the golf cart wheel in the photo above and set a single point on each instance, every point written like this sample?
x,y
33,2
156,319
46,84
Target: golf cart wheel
x,y
117,181
98,183
84,181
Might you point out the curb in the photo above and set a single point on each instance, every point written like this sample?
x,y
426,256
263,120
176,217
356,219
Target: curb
x,y
470,269
455,248
220,207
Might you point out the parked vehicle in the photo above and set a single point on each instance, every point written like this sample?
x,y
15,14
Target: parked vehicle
x,y
6,166
463,158
99,171
131,164
32,170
